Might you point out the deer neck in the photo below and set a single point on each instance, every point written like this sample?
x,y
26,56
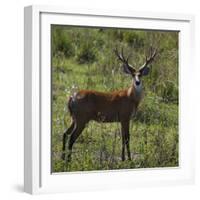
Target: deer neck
x,y
135,92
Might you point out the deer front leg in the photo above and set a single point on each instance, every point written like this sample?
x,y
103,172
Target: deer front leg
x,y
125,139
123,147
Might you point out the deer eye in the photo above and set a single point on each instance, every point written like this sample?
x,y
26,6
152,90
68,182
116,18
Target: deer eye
x,y
133,74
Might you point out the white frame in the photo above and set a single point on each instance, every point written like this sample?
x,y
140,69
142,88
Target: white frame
x,y
37,173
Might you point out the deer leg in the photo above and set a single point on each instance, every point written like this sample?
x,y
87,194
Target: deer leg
x,y
123,142
123,147
67,132
125,139
127,144
76,132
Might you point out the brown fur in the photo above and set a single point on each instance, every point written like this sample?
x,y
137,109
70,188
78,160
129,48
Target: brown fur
x,y
105,106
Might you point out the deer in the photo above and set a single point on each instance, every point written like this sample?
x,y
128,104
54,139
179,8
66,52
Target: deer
x,y
107,107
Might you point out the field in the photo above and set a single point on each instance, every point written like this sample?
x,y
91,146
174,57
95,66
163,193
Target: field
x,y
83,58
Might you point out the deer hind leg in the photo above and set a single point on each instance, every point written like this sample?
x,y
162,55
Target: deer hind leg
x,y
66,133
75,134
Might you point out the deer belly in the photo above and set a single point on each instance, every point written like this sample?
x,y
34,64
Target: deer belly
x,y
107,117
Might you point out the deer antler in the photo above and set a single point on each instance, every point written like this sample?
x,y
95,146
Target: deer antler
x,y
127,68
150,58
121,56
144,69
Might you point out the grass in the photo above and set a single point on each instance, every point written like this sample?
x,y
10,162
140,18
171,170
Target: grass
x,y
154,139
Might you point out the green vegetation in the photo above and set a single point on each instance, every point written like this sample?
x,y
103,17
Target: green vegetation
x,y
83,58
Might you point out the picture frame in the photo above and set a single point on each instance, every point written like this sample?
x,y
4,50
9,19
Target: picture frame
x,y
37,77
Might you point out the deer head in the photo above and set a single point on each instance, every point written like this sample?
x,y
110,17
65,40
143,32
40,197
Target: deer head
x,y
142,71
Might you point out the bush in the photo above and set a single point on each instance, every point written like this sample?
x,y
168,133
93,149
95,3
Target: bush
x,y
134,39
62,42
153,111
86,54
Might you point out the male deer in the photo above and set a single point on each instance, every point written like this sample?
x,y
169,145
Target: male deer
x,y
117,106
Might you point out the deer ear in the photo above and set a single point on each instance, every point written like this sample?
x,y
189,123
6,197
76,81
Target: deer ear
x,y
127,69
145,71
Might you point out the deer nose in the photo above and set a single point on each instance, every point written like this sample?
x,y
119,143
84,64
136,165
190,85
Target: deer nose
x,y
137,82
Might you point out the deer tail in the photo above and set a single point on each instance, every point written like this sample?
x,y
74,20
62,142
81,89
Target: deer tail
x,y
70,105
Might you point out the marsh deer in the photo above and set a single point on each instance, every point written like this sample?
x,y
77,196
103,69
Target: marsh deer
x,y
117,106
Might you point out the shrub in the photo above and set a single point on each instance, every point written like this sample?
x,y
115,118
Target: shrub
x,y
86,53
62,42
134,39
